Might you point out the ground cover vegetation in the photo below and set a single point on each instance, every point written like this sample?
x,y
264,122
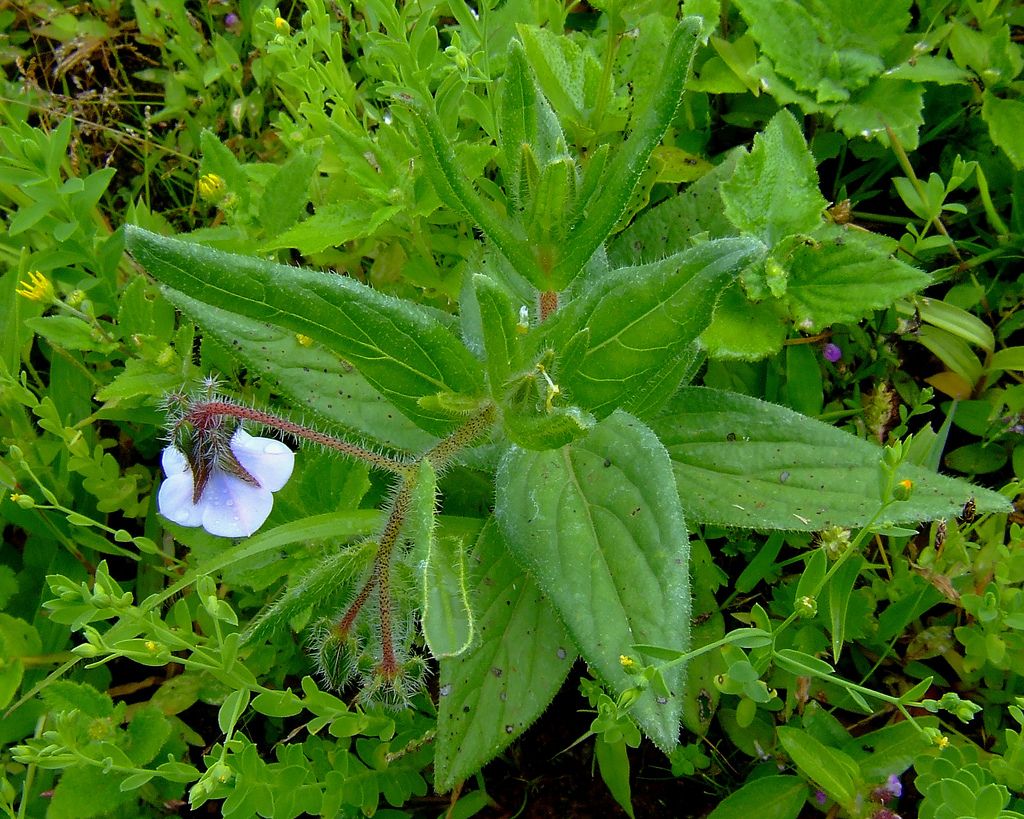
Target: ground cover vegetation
x,y
525,408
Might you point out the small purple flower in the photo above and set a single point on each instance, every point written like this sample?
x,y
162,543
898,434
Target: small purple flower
x,y
894,786
892,789
231,20
832,352
820,798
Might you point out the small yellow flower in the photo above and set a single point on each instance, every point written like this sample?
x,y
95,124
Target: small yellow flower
x,y
628,663
38,288
942,741
151,646
211,187
305,341
282,25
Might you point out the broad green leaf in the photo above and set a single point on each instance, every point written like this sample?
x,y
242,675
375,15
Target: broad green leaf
x,y
952,351
957,321
701,696
773,192
11,674
102,787
68,332
401,349
891,749
333,225
668,227
312,377
826,766
597,524
491,693
843,42
804,388
1005,118
284,200
739,461
744,330
768,797
886,104
65,695
1010,358
642,322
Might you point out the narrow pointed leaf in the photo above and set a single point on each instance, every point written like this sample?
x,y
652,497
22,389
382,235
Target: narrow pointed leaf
x,y
498,327
739,461
451,184
447,617
597,523
400,348
517,116
491,693
839,591
629,161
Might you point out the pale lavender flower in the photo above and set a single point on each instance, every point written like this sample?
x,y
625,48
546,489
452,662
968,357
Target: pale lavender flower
x,y
832,352
233,501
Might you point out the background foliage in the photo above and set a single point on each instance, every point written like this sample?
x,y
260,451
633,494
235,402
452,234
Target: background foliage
x,y
281,132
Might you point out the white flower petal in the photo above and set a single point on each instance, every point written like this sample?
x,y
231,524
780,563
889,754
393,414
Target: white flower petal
x,y
233,508
174,461
175,499
269,461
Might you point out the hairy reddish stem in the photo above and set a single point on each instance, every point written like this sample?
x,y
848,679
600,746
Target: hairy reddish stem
x,y
202,412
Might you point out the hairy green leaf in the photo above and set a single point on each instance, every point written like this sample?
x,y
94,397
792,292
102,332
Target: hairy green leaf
x,y
401,349
739,461
598,525
642,322
492,692
773,192
315,379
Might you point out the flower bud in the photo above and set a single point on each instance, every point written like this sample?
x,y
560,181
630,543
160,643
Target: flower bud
x,y
24,501
903,490
212,187
806,607
835,541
